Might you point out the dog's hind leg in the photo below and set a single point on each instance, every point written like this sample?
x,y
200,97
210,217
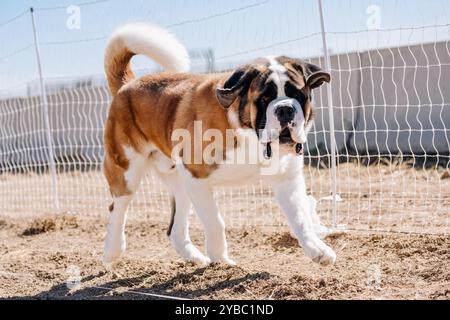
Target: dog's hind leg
x,y
115,241
202,197
124,179
178,231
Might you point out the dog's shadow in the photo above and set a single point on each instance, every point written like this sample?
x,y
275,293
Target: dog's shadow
x,y
139,289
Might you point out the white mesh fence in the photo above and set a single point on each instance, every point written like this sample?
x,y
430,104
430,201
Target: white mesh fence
x,y
390,100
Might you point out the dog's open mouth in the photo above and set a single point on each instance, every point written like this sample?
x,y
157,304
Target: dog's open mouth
x,y
285,139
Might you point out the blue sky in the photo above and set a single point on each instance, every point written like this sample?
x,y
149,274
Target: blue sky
x,y
236,30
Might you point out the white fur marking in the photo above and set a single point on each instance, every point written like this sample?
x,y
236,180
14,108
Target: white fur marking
x,y
233,118
297,206
201,194
278,75
115,241
179,236
136,169
154,42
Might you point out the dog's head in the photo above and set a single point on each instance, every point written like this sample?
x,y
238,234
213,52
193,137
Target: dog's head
x,y
274,97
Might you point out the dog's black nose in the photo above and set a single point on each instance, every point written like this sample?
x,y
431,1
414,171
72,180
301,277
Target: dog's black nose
x,y
285,114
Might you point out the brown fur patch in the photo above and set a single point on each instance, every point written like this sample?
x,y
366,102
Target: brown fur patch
x,y
148,110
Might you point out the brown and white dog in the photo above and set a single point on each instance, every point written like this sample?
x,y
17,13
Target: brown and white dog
x,y
267,101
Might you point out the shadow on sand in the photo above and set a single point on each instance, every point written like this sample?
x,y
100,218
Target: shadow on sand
x,y
136,288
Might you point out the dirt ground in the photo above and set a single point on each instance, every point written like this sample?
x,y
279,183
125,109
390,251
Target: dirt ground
x,y
59,257
392,197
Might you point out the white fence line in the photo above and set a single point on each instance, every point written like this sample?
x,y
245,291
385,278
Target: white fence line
x,y
48,133
329,96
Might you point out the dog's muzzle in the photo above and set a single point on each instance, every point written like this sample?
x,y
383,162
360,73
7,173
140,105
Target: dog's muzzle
x,y
285,113
285,120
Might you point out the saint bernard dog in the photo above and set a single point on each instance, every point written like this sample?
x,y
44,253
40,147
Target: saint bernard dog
x,y
268,101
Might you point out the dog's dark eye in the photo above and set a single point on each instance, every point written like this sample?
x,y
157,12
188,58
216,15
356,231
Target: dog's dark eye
x,y
293,92
269,94
266,100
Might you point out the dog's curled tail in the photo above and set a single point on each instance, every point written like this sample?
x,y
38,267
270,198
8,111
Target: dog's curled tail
x,y
149,40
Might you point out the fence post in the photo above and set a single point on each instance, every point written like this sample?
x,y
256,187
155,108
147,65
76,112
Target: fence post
x,y
327,61
50,147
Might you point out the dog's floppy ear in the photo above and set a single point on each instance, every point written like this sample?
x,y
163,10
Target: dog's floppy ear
x,y
239,82
315,77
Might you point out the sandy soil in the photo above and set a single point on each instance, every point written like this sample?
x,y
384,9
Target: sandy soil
x,y
55,257
58,256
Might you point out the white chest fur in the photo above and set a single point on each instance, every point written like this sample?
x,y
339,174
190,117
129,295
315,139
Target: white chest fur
x,y
246,164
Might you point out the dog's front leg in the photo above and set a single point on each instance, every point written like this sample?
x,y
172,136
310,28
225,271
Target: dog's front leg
x,y
294,202
202,197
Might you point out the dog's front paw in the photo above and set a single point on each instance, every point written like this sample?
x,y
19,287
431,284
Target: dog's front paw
x,y
190,253
113,252
110,259
199,259
229,262
326,256
320,253
224,260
